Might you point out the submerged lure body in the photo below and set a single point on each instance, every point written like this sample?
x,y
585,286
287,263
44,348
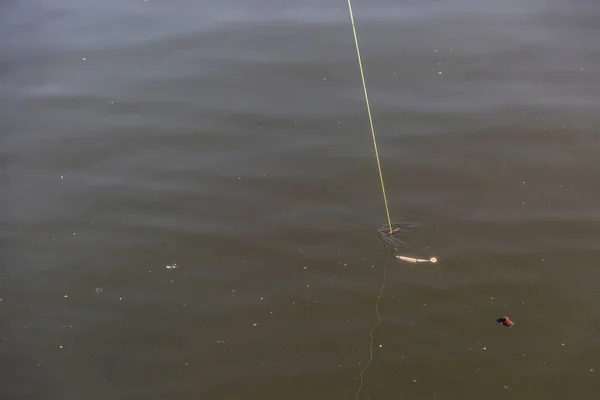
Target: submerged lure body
x,y
417,260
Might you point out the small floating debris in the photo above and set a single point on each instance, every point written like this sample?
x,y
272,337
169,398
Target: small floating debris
x,y
432,260
172,266
505,321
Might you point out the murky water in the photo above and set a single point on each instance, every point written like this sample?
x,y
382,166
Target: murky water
x,y
190,199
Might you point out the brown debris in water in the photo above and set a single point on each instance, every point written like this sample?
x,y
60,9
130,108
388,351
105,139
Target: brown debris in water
x,y
505,321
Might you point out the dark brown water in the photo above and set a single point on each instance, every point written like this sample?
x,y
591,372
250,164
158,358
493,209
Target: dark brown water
x,y
231,139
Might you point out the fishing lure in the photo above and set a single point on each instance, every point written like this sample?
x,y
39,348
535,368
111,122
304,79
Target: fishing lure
x,y
393,236
394,231
432,260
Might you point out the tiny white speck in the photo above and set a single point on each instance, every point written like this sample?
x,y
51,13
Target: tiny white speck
x,y
120,298
62,177
66,296
414,381
591,369
325,79
83,58
74,233
112,102
485,348
562,344
439,72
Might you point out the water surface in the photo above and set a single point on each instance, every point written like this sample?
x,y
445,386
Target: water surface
x,y
231,139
